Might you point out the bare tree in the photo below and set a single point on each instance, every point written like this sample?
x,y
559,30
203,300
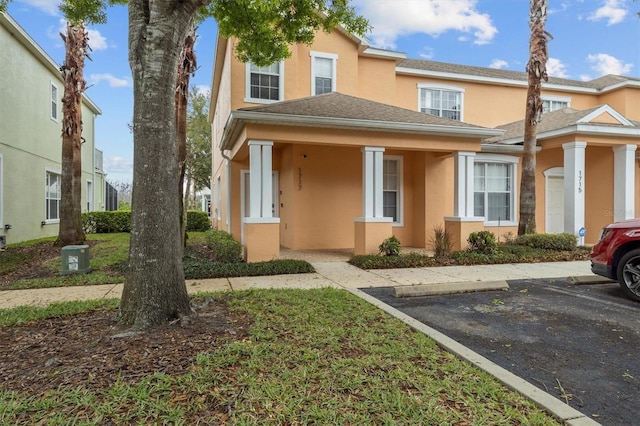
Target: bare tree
x,y
537,72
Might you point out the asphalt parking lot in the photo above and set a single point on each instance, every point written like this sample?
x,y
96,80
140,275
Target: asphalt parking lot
x,y
579,343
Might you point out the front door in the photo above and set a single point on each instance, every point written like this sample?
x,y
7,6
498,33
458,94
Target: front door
x,y
555,204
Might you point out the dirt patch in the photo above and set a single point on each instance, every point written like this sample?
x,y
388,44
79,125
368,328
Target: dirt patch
x,y
92,349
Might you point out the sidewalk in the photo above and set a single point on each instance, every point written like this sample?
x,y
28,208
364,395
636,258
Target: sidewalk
x,y
328,274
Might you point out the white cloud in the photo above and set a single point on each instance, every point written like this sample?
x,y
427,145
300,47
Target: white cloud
x,y
613,11
555,68
393,19
427,53
111,79
96,40
47,6
498,64
203,89
117,164
606,64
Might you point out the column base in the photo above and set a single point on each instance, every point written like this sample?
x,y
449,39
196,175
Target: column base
x,y
370,233
459,229
261,239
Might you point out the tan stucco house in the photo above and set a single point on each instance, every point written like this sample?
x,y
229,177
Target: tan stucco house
x,y
343,145
31,90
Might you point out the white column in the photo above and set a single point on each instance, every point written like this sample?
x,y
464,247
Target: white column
x,y
623,182
574,189
260,179
372,167
463,182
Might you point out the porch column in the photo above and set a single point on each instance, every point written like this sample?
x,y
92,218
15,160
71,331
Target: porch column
x,y
463,182
574,186
262,230
463,222
623,182
373,227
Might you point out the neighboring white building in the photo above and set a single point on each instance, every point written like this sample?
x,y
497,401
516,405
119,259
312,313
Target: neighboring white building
x,y
31,141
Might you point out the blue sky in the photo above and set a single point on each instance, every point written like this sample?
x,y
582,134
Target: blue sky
x,y
591,38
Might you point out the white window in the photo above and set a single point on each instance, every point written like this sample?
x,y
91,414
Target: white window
x,y
494,189
54,102
264,84
89,196
442,101
323,72
552,103
392,188
52,196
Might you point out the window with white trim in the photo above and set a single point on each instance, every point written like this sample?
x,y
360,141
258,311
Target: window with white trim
x,y
264,84
89,196
52,196
54,102
323,73
552,103
494,188
392,188
442,101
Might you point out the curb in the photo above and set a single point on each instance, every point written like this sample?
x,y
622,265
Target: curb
x,y
590,279
448,288
549,403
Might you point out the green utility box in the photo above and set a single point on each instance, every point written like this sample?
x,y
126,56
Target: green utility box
x,y
75,259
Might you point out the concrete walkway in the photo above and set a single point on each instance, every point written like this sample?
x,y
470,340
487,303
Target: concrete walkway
x,y
340,274
328,274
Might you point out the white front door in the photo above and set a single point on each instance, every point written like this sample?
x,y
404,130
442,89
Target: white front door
x,y
245,193
555,204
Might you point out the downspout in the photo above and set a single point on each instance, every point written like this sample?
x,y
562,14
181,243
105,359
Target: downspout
x,y
228,209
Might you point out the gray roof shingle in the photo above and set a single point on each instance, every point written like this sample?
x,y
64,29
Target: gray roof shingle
x,y
338,105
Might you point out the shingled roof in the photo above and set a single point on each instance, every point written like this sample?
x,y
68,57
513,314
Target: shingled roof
x,y
550,122
443,67
338,105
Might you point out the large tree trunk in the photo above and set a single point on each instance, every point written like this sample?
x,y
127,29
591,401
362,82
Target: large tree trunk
x,y
76,46
536,69
155,290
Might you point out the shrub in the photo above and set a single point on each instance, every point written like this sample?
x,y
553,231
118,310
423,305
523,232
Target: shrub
x,y
564,241
99,222
390,246
482,242
441,242
224,247
198,221
408,260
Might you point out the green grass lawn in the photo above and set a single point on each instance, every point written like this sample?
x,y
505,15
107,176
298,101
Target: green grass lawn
x,y
320,357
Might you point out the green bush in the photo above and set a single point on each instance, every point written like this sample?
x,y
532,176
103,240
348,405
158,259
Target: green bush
x,y
223,246
482,242
390,246
99,222
197,269
198,221
564,241
120,221
408,260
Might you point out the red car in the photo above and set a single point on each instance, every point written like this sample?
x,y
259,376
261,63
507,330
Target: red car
x,y
617,255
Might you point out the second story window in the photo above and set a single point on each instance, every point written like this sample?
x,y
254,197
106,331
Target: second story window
x,y
264,84
323,73
442,101
552,103
54,102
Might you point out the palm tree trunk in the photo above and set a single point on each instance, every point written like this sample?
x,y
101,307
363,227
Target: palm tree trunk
x,y
76,47
537,72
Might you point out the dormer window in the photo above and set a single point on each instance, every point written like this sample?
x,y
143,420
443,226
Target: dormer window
x,y
552,103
